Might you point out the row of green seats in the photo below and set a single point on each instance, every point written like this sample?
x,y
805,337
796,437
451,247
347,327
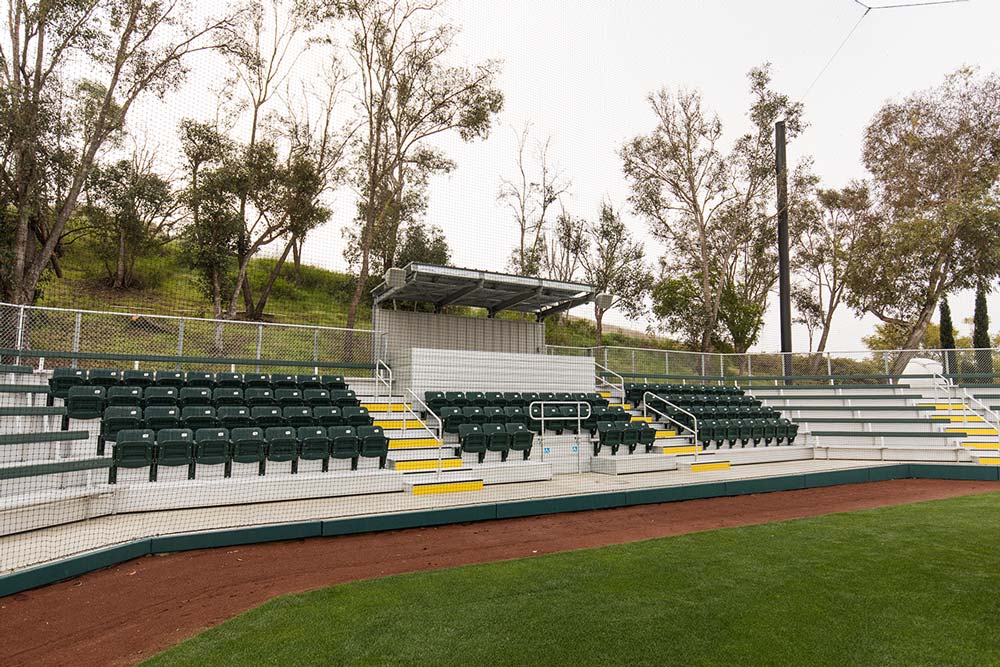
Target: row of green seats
x,y
688,400
731,431
481,438
634,391
65,378
557,417
144,448
616,435
436,400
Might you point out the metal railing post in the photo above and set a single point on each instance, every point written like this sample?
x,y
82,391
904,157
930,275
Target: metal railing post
x,y
260,344
829,367
19,338
76,338
180,341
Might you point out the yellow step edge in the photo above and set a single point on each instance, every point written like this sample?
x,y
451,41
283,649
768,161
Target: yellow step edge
x,y
989,460
386,407
682,449
981,445
448,487
972,431
426,464
666,434
942,406
623,406
959,418
713,465
604,394
637,418
412,443
397,424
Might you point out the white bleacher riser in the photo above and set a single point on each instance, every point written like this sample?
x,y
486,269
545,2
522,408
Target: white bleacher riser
x,y
627,464
564,452
461,370
877,441
771,454
805,413
894,453
778,401
815,390
854,427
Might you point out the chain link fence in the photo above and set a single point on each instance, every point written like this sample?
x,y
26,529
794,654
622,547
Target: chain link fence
x,y
27,332
857,367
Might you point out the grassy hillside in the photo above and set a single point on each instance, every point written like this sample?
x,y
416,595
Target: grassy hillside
x,y
310,296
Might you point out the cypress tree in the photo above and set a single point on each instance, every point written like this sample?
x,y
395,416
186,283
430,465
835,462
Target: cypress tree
x,y
947,336
981,333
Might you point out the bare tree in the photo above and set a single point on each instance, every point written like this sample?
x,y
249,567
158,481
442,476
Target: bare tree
x,y
537,187
564,247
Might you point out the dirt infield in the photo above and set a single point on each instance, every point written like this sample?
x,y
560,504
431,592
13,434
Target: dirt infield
x,y
126,613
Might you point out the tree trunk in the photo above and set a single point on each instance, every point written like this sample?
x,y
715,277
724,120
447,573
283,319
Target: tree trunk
x,y
297,257
217,310
913,339
599,320
119,282
258,309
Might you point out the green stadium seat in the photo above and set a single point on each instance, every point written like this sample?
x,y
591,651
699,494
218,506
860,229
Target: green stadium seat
x,y
456,398
249,446
476,398
195,396
452,419
314,445
529,397
756,431
619,415
258,396
234,416
174,447
136,378
770,430
344,444
83,402
120,395
534,415
135,448
158,417
327,416
283,381
514,414
645,434
791,430
266,416
474,414
115,419
435,400
497,439
356,416
227,396
228,381
514,399
609,434
344,398
103,377
316,397
163,396
546,396
297,416
571,418
496,398
282,446
596,400
195,417
169,379
521,438
256,381
745,430
495,414
472,440
374,444
334,382
630,438
199,379
706,432
212,448
287,397
63,379
309,382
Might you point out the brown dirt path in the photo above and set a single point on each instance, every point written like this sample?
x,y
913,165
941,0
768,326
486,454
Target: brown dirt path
x,y
126,613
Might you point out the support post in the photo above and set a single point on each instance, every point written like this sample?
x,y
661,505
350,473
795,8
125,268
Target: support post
x,y
784,272
76,337
180,342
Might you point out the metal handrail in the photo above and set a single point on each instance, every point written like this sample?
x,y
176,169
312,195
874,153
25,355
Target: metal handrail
x,y
620,387
440,428
579,423
945,384
380,378
694,420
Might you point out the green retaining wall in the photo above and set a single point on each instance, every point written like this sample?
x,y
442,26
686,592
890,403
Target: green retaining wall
x,y
77,565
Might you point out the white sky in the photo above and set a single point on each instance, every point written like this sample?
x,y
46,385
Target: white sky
x,y
580,71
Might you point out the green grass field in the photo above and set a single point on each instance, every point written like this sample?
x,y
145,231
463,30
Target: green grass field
x,y
908,585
